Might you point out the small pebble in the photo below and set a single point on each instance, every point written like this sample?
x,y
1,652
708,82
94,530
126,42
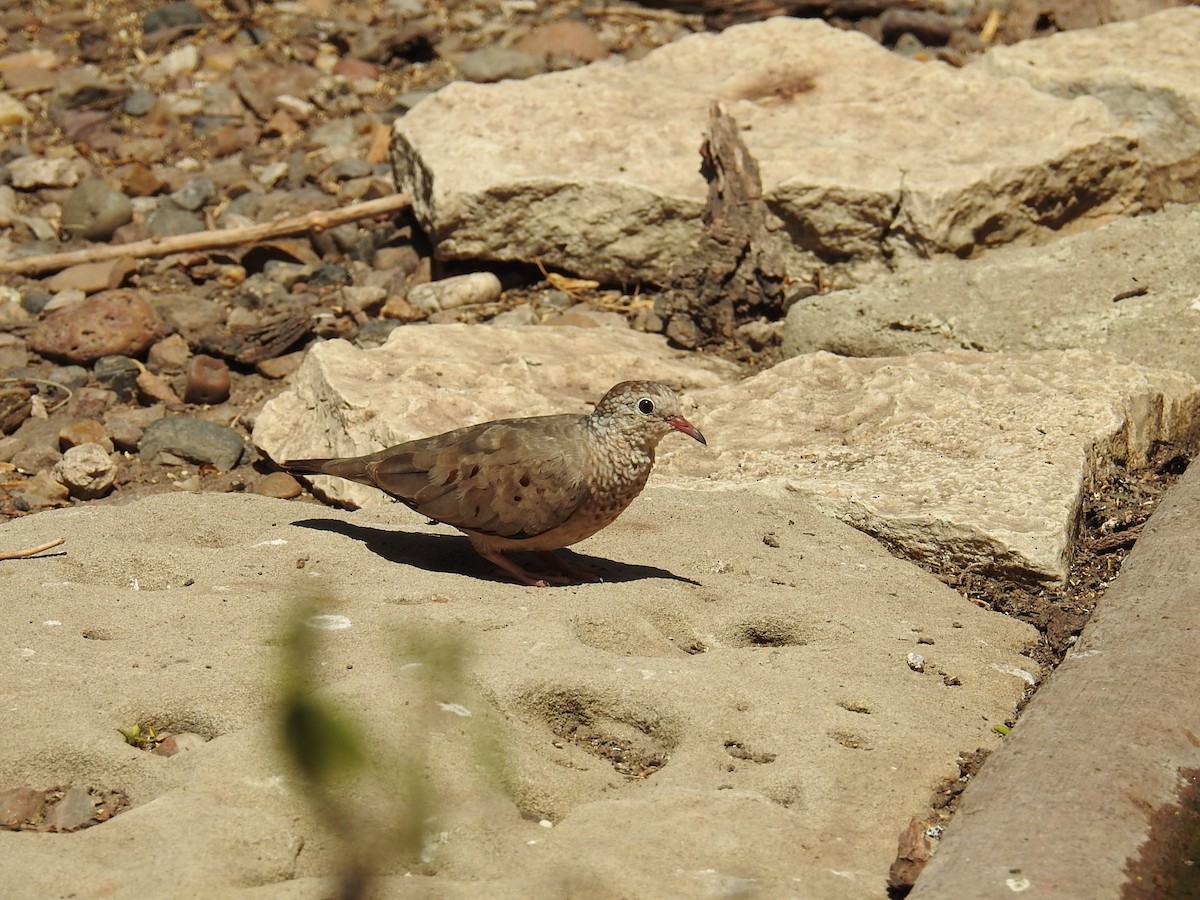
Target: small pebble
x,y
21,805
86,471
12,110
8,206
13,353
142,182
140,102
127,425
286,274
178,743
95,209
154,388
192,439
76,809
916,662
399,308
42,491
278,484
85,431
329,275
208,380
280,366
196,194
33,172
499,63
68,296
169,355
518,315
93,277
403,259
362,298
119,374
173,15
461,290
69,376
170,220
87,402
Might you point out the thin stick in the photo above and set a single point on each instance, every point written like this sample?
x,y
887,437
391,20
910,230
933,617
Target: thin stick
x,y
312,222
32,551
57,384
640,12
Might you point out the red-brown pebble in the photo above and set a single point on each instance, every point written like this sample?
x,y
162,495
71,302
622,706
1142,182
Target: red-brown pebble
x,y
208,380
111,323
278,484
86,431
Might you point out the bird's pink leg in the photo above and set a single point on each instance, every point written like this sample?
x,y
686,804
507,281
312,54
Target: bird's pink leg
x,y
579,573
520,574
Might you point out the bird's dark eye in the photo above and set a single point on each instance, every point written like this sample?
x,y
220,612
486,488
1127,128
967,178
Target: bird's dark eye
x,y
646,405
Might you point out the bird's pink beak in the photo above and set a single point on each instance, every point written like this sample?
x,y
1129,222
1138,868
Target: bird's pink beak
x,y
679,423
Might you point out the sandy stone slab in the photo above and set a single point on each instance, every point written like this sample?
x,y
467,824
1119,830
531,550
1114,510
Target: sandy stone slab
x,y
863,155
792,742
345,401
963,460
1144,71
1100,752
1128,287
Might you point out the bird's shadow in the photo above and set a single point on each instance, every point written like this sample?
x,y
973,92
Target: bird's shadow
x,y
453,554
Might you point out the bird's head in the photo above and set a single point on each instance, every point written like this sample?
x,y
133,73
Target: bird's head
x,y
645,410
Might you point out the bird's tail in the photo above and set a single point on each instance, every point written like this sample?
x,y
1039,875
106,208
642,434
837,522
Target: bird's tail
x,y
354,468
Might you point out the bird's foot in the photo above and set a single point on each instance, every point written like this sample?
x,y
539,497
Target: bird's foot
x,y
568,568
514,571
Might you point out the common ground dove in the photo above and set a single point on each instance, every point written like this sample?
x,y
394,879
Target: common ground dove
x,y
536,484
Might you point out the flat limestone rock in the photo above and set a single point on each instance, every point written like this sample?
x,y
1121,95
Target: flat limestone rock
x,y
1128,287
1144,71
863,156
429,379
720,713
964,461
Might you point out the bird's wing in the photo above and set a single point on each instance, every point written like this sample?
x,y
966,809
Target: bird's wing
x,y
515,478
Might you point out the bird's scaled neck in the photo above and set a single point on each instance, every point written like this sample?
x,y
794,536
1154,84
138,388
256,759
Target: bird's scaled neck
x,y
621,458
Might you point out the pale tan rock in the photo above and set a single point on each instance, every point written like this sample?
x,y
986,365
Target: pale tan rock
x,y
965,461
1128,288
1144,71
863,156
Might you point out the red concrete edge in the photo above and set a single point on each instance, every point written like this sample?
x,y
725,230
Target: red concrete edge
x,y
1064,804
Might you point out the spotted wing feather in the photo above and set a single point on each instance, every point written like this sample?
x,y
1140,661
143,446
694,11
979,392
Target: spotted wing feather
x,y
514,478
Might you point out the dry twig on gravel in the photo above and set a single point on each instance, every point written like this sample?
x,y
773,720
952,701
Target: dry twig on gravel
x,y
312,222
